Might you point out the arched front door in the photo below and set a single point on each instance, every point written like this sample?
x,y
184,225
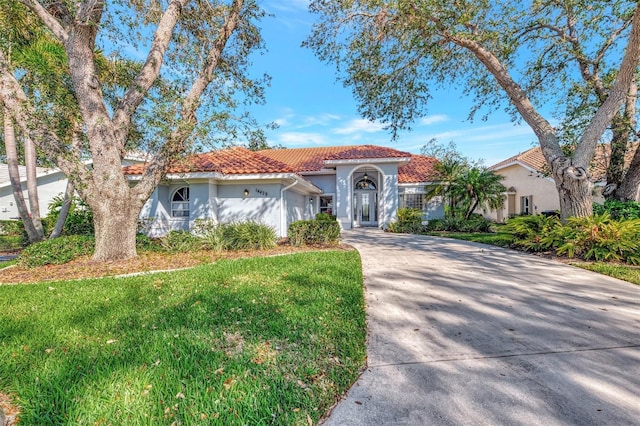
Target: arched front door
x,y
365,203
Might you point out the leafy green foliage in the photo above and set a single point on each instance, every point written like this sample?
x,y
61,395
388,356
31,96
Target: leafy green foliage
x,y
618,209
303,232
11,227
477,223
56,251
79,219
409,221
597,237
272,340
326,217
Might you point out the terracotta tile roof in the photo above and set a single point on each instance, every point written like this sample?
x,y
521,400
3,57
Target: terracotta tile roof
x,y
312,159
419,169
296,160
304,159
532,158
535,159
231,161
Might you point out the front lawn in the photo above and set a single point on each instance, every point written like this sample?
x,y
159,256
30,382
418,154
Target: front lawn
x,y
247,341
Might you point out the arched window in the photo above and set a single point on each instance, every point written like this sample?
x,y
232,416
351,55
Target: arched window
x,y
365,184
180,202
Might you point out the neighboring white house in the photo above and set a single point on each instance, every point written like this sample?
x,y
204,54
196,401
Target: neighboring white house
x,y
361,185
530,188
51,182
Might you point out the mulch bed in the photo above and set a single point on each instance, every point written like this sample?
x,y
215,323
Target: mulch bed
x,y
84,267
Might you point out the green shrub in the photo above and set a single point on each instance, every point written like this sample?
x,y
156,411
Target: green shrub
x,y
303,232
409,221
144,243
533,232
457,224
180,241
597,237
211,234
326,217
56,251
247,236
618,209
11,227
79,219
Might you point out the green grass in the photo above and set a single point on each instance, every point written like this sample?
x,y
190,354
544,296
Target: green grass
x,y
249,341
496,239
623,272
10,242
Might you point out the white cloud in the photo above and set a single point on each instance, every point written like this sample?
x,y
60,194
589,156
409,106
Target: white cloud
x,y
294,139
319,120
359,125
433,119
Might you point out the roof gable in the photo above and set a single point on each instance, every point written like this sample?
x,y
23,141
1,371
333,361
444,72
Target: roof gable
x,y
534,159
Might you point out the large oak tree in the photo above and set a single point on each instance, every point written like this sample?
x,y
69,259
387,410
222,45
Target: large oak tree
x,y
195,61
393,52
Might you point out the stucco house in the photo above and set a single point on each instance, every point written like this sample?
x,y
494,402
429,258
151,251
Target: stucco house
x,y
51,182
363,186
530,188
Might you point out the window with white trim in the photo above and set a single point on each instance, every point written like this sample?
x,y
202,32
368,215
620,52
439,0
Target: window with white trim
x,y
326,204
412,198
180,202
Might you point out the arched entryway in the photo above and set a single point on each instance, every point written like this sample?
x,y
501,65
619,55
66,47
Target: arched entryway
x,y
365,198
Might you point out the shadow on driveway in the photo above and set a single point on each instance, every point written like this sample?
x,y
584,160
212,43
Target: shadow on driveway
x,y
464,333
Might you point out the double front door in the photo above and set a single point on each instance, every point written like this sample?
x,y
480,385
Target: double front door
x,y
365,208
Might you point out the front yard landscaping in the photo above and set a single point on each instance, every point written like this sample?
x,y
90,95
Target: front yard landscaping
x,y
260,340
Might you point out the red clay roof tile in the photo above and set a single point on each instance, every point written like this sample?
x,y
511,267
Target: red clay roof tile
x,y
239,160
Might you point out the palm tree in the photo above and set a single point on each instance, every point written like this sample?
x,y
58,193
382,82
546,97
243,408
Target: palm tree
x,y
478,187
449,168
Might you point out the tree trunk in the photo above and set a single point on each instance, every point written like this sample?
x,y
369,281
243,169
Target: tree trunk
x,y
64,211
629,190
629,187
116,226
615,168
32,184
574,189
14,178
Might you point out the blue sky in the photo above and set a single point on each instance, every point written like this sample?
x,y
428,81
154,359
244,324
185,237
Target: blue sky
x,y
312,109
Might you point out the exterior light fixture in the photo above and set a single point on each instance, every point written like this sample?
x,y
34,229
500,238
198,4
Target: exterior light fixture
x,y
366,176
311,200
246,192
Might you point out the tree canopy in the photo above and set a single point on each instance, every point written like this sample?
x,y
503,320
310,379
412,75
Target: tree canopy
x,y
158,75
506,54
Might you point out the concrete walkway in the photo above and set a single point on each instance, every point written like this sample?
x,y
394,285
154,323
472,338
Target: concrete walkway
x,y
467,334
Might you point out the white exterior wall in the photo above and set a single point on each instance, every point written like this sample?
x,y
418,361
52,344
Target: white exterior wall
x,y
387,192
325,182
526,183
49,186
343,197
262,205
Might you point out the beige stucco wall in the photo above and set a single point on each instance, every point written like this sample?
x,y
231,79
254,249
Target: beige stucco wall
x,y
527,183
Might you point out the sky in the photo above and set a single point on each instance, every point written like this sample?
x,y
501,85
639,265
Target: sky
x,y
312,109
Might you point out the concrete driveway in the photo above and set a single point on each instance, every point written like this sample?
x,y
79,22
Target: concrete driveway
x,y
467,334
